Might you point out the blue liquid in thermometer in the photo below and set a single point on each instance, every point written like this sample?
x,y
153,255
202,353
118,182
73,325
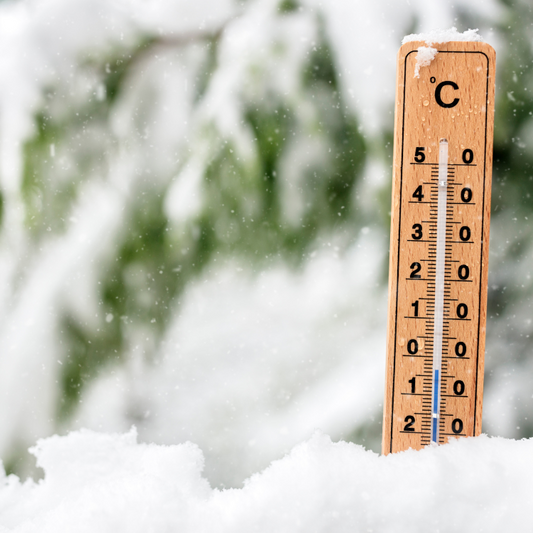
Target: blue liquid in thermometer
x,y
439,288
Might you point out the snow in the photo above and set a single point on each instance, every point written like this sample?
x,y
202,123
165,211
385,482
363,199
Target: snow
x,y
42,45
444,36
426,54
110,483
375,30
247,351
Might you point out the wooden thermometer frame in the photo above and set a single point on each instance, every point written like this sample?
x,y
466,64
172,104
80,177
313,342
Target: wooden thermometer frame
x,y
451,102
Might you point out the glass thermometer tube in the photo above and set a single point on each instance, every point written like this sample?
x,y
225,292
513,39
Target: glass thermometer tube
x,y
439,288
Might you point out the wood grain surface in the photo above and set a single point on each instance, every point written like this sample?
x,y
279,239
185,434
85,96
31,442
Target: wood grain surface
x,y
452,99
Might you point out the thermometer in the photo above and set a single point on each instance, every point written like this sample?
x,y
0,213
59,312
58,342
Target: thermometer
x,y
439,245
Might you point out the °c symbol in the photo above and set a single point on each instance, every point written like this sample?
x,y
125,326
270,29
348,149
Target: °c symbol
x,y
432,79
438,90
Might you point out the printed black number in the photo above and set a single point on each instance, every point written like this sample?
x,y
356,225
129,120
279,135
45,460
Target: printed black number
x,y
415,267
459,387
420,156
468,156
462,310
417,235
457,426
418,193
412,382
460,349
464,233
466,194
412,346
463,272
410,419
415,305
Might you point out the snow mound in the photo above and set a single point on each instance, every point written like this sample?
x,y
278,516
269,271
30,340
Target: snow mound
x,y
110,483
424,57
443,36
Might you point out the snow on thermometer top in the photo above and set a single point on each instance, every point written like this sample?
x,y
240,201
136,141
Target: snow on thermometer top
x,y
439,243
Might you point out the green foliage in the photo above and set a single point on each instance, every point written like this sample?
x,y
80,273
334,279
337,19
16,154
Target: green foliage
x,y
288,6
245,211
513,157
64,153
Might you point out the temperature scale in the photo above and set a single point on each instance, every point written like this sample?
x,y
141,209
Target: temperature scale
x,y
439,245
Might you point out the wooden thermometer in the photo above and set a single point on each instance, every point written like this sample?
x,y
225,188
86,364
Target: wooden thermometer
x,y
439,245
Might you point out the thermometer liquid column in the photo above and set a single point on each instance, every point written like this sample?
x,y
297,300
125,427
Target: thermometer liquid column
x,y
439,288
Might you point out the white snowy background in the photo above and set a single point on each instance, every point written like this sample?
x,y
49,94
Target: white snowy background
x,y
255,357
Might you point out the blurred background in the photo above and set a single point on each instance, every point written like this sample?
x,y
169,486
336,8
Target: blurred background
x,y
194,220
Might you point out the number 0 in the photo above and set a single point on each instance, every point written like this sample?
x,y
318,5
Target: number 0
x,y
468,156
462,310
459,387
464,233
457,426
466,194
463,272
460,349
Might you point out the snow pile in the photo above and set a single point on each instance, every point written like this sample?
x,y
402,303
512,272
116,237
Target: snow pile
x,y
424,57
98,483
444,36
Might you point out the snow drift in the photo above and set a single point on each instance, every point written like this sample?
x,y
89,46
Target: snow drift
x,y
103,482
